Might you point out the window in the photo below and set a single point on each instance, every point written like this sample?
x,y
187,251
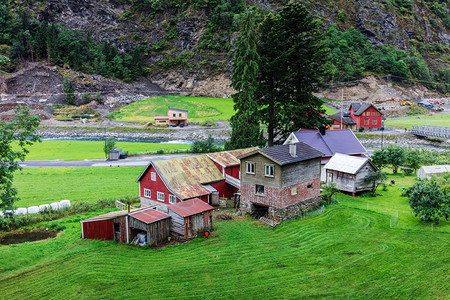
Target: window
x,y
309,186
172,199
373,114
259,189
250,167
269,170
374,122
179,115
160,197
293,191
366,122
153,176
117,227
377,114
174,115
147,193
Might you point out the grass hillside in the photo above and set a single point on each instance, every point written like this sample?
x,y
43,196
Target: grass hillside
x,y
436,120
77,150
361,248
199,108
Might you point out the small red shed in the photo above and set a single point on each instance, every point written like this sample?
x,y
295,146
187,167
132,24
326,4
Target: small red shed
x,y
191,218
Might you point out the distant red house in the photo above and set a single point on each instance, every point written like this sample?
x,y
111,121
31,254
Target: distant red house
x,y
366,115
206,177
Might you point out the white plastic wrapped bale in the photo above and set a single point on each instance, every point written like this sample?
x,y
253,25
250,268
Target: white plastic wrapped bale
x,y
54,205
21,211
44,207
1,214
9,212
64,203
33,209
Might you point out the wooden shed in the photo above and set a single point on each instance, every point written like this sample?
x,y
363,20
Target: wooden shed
x,y
156,224
191,218
349,172
111,226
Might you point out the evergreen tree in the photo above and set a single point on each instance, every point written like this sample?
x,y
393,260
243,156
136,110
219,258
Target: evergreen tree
x,y
292,65
245,124
69,91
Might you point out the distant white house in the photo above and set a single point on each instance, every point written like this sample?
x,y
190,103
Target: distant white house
x,y
349,172
426,172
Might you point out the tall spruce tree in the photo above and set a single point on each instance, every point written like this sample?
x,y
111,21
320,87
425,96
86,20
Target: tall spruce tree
x,y
245,123
291,67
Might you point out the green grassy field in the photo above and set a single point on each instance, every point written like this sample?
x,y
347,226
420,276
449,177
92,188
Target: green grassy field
x,y
436,120
200,108
352,250
76,150
329,110
46,185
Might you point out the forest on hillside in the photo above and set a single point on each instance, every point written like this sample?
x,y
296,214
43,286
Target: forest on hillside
x,y
28,33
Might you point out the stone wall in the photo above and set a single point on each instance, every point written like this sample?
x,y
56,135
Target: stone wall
x,y
293,210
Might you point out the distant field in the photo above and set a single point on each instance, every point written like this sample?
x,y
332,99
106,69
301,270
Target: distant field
x,y
357,249
436,120
46,185
200,108
329,110
76,150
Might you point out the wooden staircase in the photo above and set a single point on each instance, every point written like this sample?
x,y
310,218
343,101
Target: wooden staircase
x,y
270,222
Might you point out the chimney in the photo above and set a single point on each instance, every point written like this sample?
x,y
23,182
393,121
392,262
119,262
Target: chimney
x,y
322,129
293,150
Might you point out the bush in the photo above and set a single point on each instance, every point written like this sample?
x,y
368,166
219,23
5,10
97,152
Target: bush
x,y
224,216
200,146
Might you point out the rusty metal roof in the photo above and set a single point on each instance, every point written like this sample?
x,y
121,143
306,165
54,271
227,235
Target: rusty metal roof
x,y
114,214
190,207
229,158
185,175
149,216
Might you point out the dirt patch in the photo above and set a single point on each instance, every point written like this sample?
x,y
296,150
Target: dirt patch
x,y
27,236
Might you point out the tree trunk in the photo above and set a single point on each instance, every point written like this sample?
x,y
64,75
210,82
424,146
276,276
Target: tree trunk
x,y
270,135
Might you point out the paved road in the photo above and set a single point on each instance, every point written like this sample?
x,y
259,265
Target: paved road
x,y
135,161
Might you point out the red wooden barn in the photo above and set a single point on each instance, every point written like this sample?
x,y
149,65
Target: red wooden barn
x,y
207,177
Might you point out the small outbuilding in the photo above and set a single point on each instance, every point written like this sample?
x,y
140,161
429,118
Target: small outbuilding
x,y
156,224
191,218
114,154
349,172
426,172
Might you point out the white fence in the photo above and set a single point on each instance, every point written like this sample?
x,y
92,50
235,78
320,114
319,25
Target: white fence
x,y
37,209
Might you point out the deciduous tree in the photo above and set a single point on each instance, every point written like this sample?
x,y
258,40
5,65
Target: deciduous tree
x,y
22,129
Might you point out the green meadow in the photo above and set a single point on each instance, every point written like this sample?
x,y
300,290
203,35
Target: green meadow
x,y
199,109
351,251
38,186
77,150
435,120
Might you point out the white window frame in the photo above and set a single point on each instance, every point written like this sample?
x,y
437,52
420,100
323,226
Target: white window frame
x,y
294,191
159,196
153,176
147,193
269,167
256,190
172,199
249,167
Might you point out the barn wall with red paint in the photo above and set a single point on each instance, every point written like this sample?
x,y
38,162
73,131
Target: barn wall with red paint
x,y
155,187
225,190
122,235
233,171
99,230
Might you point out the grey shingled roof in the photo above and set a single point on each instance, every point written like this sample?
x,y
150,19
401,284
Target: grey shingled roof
x,y
347,120
280,154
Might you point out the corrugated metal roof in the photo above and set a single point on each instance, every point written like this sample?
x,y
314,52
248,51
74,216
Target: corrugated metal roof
x,y
190,207
229,158
359,108
346,163
436,169
185,175
334,141
344,117
150,216
114,214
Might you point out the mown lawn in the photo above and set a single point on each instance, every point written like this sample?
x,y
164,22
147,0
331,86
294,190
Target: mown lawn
x,y
77,150
355,249
343,253
408,122
200,109
42,186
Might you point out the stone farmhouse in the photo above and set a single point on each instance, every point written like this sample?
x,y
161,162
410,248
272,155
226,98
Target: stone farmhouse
x,y
280,181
